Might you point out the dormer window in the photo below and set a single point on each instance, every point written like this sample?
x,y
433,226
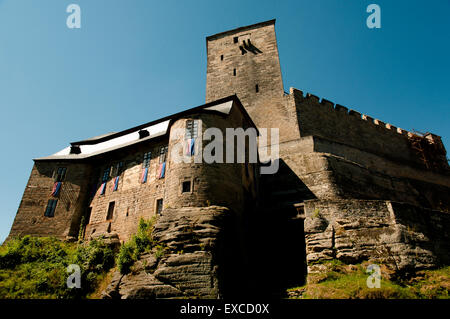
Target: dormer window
x,y
143,133
75,149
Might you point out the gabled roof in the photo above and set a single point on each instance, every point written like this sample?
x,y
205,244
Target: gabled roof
x,y
113,141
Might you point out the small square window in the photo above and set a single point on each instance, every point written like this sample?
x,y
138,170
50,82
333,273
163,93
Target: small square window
x,y
186,187
235,39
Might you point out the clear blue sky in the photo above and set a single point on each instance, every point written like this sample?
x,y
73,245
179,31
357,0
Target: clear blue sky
x,y
134,61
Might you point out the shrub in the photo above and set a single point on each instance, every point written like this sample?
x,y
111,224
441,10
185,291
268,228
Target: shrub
x,y
140,243
126,258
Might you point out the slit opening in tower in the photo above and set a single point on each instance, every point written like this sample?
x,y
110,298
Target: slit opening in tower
x,y
221,57
234,72
256,88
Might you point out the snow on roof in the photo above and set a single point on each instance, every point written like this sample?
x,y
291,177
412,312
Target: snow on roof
x,y
89,150
112,141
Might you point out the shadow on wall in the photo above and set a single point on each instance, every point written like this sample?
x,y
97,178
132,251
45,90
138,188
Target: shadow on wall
x,y
275,252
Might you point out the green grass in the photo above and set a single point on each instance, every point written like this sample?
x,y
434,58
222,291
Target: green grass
x,y
342,281
32,267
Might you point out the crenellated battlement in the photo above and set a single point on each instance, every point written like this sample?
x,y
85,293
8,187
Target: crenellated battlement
x,y
364,117
321,117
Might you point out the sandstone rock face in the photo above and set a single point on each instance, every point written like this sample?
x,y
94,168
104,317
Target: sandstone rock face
x,y
188,268
401,235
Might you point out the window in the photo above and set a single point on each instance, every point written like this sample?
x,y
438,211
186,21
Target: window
x,y
163,154
110,213
88,216
234,72
147,158
60,174
159,206
75,149
256,88
186,187
51,206
191,129
118,168
106,173
143,133
300,207
235,39
221,57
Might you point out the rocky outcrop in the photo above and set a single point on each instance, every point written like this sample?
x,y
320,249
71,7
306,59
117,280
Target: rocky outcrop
x,y
186,262
395,234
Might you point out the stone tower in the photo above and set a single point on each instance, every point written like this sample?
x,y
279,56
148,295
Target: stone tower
x,y
245,62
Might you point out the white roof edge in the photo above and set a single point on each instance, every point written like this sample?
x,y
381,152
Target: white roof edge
x,y
90,150
224,108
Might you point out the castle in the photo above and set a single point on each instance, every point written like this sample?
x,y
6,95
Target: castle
x,y
347,185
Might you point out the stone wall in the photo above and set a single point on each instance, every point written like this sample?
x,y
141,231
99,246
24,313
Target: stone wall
x,y
80,194
30,219
209,185
334,170
231,72
133,199
199,260
348,127
400,235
